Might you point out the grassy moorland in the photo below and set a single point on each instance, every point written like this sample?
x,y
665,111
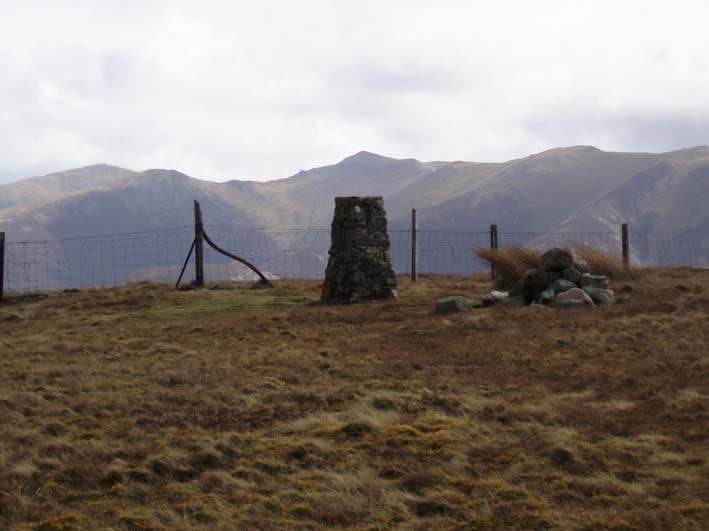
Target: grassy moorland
x,y
145,408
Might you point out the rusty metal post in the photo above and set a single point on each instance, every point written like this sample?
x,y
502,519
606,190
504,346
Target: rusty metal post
x,y
198,246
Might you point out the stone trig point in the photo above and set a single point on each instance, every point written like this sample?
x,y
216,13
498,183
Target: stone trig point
x,y
359,267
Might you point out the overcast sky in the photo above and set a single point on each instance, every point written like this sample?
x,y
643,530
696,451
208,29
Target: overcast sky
x,y
260,89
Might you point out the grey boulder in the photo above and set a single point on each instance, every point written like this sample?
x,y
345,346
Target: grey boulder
x,y
533,282
560,285
494,297
454,304
547,296
600,295
556,259
596,281
572,275
580,263
534,278
572,298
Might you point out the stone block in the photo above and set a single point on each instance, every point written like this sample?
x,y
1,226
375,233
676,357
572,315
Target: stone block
x,y
454,304
359,265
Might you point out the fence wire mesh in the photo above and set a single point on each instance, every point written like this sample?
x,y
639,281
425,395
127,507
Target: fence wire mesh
x,y
670,248
609,242
297,253
450,252
647,249
96,260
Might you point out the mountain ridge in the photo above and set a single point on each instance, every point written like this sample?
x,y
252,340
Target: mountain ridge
x,y
560,189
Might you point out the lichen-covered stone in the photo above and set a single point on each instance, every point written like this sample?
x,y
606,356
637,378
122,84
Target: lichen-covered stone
x,y
579,263
600,295
596,281
454,304
359,267
556,259
547,296
534,278
533,282
551,276
560,285
573,298
572,275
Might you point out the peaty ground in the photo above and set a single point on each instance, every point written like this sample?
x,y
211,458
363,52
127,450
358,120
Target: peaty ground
x,y
144,408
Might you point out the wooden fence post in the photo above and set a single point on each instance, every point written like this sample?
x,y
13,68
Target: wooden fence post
x,y
2,263
626,247
414,244
198,246
493,245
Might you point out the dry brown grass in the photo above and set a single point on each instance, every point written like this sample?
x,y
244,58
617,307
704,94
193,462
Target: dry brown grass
x,y
144,408
601,262
510,262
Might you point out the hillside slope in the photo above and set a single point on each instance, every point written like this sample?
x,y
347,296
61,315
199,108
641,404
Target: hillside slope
x,y
671,194
307,198
536,193
38,190
148,200
577,189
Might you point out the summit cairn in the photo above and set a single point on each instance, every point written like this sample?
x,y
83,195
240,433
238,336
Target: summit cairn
x,y
562,280
359,268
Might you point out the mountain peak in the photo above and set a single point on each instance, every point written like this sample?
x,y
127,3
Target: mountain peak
x,y
695,150
92,169
102,166
363,156
533,194
163,174
568,150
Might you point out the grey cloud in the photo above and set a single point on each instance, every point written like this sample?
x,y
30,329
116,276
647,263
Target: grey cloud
x,y
635,130
226,90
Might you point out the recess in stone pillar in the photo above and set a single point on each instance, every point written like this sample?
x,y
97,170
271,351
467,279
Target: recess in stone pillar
x,y
359,267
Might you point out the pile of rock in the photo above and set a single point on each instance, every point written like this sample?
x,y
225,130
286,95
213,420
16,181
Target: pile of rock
x,y
563,280
359,266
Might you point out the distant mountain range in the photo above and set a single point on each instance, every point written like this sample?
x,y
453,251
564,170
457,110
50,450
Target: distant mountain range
x,y
573,189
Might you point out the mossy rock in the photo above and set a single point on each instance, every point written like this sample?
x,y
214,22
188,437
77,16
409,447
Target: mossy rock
x,y
455,304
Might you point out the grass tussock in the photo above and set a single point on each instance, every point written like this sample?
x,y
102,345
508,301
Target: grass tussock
x,y
510,263
142,407
601,262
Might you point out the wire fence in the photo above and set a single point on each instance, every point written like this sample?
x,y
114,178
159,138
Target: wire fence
x,y
303,253
96,260
158,255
